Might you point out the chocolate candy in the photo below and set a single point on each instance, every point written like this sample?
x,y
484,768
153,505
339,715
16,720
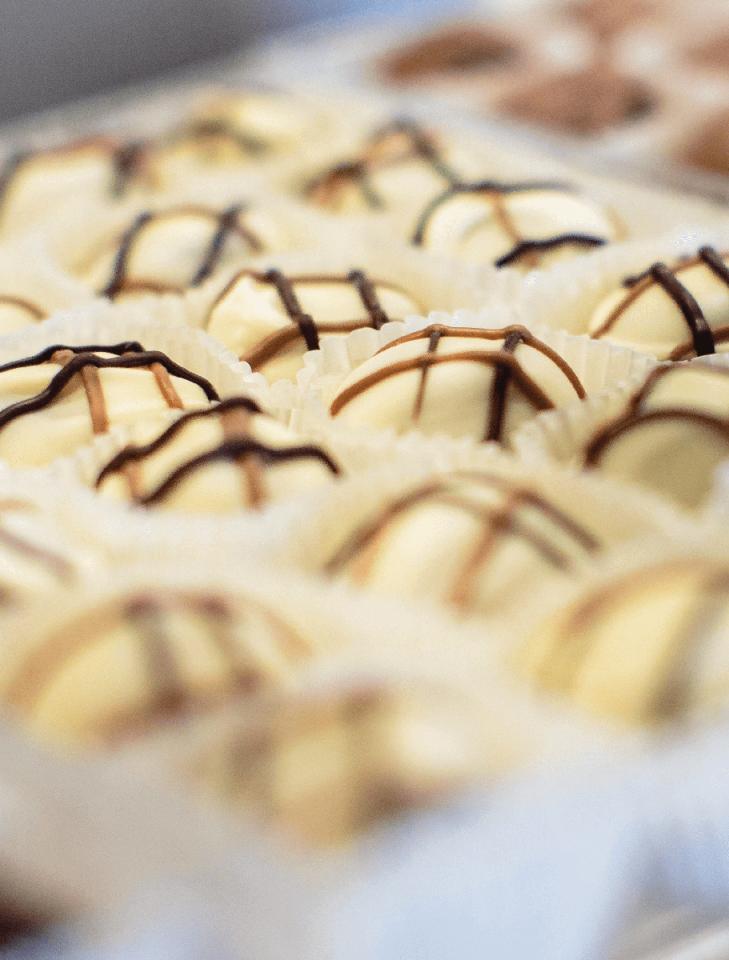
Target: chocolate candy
x,y
143,657
177,248
673,434
271,319
228,456
673,312
56,400
645,647
326,764
454,48
35,184
582,102
523,225
459,381
401,167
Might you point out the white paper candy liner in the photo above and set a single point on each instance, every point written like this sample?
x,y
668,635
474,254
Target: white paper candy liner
x,y
599,366
566,296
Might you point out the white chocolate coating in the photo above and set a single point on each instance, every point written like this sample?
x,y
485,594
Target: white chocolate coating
x,y
216,486
411,383
250,316
144,658
645,317
71,419
485,226
645,647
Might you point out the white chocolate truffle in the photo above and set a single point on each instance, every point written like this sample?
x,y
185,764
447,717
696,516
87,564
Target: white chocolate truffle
x,y
177,248
325,765
524,225
479,541
673,434
99,170
57,400
460,381
143,657
643,647
400,169
674,312
228,457
231,129
270,320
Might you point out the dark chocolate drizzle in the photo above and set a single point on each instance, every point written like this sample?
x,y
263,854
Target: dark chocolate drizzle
x,y
126,162
226,224
420,145
524,247
703,338
119,270
133,453
217,128
304,321
235,450
368,295
126,355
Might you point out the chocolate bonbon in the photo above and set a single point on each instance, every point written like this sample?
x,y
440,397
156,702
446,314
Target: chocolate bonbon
x,y
173,249
224,458
323,765
461,381
34,183
270,319
560,100
400,166
472,539
643,647
673,311
142,657
524,225
457,48
672,435
63,396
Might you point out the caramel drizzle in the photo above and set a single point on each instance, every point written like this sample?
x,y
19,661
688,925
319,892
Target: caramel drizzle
x,y
703,340
508,370
21,303
227,223
304,326
496,193
358,171
498,523
235,448
169,695
672,695
85,362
